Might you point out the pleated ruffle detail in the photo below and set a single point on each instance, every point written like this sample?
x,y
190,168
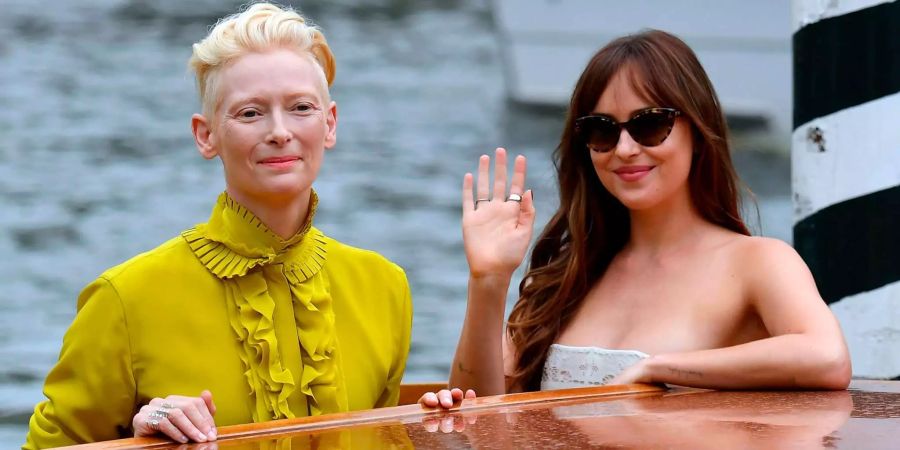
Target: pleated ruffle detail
x,y
250,313
321,381
231,245
234,241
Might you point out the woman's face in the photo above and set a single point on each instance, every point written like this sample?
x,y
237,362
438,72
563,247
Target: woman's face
x,y
272,125
641,177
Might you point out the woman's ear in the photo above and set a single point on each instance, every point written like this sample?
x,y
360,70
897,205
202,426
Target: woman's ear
x,y
331,125
203,136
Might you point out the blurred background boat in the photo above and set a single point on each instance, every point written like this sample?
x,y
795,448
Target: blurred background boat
x,y
744,46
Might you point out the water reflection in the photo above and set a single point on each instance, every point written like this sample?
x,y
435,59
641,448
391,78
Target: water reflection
x,y
707,420
767,420
681,419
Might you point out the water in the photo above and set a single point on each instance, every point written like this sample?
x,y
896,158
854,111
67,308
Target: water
x,y
97,163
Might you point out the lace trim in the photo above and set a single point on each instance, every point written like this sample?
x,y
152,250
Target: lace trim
x,y
567,367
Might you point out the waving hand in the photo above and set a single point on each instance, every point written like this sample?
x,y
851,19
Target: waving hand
x,y
496,228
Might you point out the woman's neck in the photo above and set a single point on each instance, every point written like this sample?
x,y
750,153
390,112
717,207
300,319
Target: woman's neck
x,y
283,215
666,227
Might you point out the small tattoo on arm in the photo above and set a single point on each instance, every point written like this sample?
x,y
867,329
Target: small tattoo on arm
x,y
685,374
462,369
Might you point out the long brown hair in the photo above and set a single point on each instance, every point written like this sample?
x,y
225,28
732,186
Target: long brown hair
x,y
591,225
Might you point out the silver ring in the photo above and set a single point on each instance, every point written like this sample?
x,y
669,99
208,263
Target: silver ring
x,y
514,198
159,414
154,424
167,405
481,200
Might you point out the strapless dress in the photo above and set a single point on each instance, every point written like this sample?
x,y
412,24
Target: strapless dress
x,y
569,367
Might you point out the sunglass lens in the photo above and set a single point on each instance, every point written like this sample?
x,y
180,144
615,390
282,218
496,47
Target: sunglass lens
x,y
601,134
651,128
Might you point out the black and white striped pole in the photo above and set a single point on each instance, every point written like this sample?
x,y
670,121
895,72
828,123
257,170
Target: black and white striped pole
x,y
845,158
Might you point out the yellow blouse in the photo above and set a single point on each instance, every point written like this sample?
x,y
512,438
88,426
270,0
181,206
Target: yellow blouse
x,y
273,328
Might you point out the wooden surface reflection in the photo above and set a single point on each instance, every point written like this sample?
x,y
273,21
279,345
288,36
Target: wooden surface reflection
x,y
635,416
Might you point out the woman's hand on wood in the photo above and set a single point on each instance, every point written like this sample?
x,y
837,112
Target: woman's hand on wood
x,y
445,398
181,418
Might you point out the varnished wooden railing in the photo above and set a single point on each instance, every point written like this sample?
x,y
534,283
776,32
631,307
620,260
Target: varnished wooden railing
x,y
409,395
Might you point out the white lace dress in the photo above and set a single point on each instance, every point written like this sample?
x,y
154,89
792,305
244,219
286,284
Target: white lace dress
x,y
569,367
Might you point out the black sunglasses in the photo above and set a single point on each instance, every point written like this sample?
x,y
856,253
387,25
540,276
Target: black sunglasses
x,y
648,127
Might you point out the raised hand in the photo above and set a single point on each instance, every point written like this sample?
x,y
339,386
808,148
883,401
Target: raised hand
x,y
181,418
496,228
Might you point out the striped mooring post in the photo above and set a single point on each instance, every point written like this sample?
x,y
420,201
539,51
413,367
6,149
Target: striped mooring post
x,y
845,159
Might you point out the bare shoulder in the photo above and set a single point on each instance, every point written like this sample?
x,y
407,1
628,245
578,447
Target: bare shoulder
x,y
771,269
751,254
755,253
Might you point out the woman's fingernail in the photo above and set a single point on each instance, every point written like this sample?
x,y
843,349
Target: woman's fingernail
x,y
211,435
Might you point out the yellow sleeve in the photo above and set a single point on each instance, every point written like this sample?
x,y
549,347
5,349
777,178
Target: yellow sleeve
x,y
391,394
91,390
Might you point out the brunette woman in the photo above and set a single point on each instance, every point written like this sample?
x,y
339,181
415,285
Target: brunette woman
x,y
646,272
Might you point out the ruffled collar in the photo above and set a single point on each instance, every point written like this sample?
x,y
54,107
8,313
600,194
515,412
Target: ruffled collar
x,y
234,241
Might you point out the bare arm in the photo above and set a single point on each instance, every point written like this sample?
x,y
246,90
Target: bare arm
x,y
786,361
496,235
478,363
806,348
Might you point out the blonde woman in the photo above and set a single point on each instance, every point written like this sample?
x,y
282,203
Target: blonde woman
x,y
256,314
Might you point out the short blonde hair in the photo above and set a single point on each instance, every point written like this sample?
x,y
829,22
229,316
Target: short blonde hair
x,y
261,27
